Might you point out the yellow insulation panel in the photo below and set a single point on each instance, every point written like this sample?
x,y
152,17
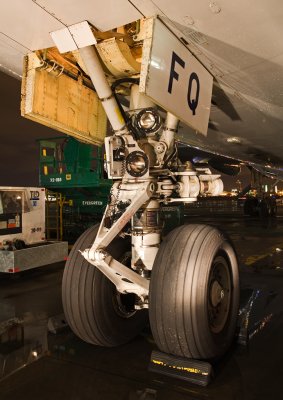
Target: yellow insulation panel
x,y
61,103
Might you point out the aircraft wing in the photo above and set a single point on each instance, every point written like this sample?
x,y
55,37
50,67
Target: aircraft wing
x,y
240,44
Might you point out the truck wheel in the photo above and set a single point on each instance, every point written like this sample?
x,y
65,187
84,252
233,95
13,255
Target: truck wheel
x,y
94,310
194,293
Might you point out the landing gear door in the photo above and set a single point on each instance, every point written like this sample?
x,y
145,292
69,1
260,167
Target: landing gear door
x,y
173,78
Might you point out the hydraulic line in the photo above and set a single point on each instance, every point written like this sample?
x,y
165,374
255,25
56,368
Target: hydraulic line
x,y
126,118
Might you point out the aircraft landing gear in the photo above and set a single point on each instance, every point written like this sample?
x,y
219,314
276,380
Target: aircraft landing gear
x,y
189,281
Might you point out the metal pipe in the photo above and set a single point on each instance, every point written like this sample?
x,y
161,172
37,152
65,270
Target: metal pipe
x,y
102,87
169,131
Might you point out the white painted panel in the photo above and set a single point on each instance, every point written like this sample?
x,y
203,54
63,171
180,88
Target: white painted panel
x,y
103,14
28,24
11,56
74,37
63,40
173,78
147,7
254,26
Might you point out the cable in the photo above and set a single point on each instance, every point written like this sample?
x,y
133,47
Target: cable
x,y
124,114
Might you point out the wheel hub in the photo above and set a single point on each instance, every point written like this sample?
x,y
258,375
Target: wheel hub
x,y
217,293
124,304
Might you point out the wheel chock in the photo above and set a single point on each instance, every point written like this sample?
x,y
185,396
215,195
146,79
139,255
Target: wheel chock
x,y
194,371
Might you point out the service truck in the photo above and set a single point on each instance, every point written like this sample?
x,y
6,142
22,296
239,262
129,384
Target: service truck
x,y
23,244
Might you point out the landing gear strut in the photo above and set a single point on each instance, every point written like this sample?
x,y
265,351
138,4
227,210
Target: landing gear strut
x,y
188,281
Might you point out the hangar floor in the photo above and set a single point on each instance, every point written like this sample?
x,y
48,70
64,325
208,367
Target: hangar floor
x,y
71,369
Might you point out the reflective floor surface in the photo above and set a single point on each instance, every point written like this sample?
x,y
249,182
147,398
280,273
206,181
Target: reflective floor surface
x,y
36,364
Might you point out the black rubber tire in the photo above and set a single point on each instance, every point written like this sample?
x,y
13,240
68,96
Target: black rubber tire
x,y
179,293
90,299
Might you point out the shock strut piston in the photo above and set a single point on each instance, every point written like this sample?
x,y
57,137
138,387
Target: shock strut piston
x,y
146,230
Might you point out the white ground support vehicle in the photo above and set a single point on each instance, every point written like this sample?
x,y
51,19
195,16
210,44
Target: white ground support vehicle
x,y
22,231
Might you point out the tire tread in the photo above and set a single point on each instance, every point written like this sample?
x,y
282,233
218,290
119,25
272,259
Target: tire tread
x,y
87,301
174,303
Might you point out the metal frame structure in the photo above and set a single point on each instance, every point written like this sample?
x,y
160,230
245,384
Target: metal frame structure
x,y
146,172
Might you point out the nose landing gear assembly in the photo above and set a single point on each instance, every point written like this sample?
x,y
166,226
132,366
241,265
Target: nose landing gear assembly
x,y
125,269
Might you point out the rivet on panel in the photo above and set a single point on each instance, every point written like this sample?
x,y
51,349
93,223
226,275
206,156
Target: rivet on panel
x,y
188,20
214,7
